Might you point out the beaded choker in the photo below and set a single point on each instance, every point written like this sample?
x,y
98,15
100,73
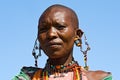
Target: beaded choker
x,y
61,67
60,70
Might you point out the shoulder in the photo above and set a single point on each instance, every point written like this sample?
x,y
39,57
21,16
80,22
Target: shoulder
x,y
30,70
98,75
26,73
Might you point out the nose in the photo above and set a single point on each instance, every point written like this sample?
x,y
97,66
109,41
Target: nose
x,y
52,33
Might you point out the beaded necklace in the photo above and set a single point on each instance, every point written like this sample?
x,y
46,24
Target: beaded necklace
x,y
58,71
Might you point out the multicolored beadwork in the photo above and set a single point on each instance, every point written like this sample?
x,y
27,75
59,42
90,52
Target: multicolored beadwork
x,y
61,70
61,67
77,41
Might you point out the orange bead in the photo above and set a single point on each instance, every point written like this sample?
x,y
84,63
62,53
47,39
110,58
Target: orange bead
x,y
58,67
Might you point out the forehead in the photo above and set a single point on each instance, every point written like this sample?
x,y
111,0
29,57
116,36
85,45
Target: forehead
x,y
56,13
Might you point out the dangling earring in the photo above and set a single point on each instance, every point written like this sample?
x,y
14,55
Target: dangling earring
x,y
36,50
78,43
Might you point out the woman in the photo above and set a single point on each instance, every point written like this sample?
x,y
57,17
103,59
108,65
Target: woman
x,y
58,30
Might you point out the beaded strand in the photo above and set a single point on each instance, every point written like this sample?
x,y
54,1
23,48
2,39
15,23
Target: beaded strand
x,y
44,74
76,74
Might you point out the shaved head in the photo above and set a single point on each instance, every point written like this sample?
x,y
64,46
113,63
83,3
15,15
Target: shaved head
x,y
57,29
56,8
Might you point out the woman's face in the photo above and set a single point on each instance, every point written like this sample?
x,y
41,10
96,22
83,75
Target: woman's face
x,y
56,33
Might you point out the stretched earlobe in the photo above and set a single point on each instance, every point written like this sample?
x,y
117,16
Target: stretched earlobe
x,y
78,41
79,32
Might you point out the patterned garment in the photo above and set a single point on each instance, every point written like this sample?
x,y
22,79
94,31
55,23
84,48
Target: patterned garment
x,y
27,73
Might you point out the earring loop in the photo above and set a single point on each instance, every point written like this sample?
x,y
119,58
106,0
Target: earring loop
x,y
78,43
85,52
36,52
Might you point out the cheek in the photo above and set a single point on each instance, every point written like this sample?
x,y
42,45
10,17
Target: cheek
x,y
41,38
68,37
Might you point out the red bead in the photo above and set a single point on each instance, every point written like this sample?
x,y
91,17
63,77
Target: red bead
x,y
58,67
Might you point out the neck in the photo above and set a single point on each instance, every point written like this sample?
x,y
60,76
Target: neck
x,y
61,61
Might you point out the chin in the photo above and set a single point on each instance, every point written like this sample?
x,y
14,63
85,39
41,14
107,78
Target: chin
x,y
55,55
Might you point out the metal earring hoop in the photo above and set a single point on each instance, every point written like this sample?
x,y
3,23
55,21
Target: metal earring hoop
x,y
78,43
85,52
36,52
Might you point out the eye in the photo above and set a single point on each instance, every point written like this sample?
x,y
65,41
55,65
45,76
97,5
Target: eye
x,y
60,27
42,29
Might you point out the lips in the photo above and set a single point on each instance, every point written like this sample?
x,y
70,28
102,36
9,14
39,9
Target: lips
x,y
52,44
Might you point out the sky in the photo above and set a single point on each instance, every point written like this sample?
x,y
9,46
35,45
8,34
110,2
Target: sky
x,y
99,19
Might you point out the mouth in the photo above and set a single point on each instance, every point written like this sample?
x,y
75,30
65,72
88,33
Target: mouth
x,y
53,44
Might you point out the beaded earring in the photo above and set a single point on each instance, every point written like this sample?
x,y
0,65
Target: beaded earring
x,y
78,43
36,52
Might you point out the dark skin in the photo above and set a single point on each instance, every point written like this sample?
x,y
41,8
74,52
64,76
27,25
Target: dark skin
x,y
57,28
56,35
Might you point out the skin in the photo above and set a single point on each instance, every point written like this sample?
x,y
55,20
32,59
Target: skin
x,y
57,28
56,33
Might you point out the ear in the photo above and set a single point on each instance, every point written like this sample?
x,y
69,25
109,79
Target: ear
x,y
79,32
